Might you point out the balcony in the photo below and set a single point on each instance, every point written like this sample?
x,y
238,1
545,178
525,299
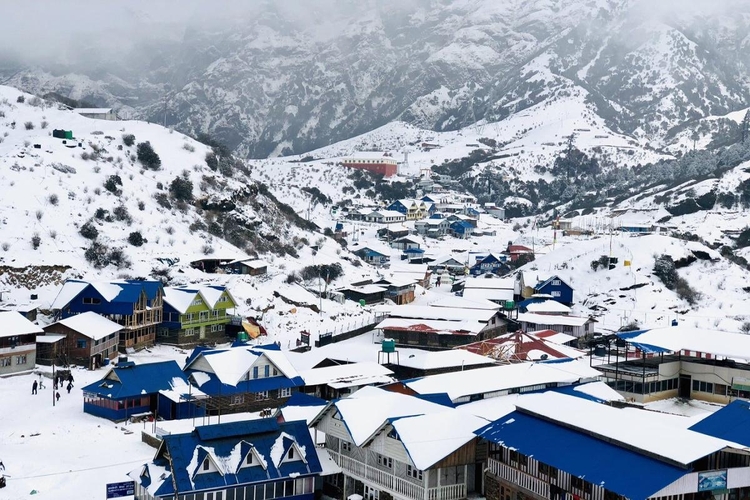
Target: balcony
x,y
515,476
399,488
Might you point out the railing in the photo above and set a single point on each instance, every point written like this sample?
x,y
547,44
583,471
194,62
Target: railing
x,y
515,476
450,492
395,485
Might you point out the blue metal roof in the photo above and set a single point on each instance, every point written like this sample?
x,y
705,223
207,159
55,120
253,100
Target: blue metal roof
x,y
601,463
731,423
236,429
302,399
440,398
137,380
413,250
214,387
183,447
630,337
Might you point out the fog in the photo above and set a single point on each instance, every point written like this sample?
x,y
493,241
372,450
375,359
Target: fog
x,y
81,32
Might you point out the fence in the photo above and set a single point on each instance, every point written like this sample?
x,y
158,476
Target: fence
x,y
349,330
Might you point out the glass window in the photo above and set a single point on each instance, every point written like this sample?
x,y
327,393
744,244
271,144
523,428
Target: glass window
x,y
255,372
267,371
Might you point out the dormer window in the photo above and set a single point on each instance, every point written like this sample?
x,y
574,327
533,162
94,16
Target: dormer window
x,y
249,459
291,453
206,464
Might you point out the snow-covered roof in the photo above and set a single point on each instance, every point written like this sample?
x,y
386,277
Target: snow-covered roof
x,y
649,431
92,111
490,283
442,313
549,307
553,336
491,294
348,375
178,298
72,288
429,438
686,338
91,325
253,263
495,379
179,387
431,325
367,410
388,213
453,301
551,319
12,323
327,463
366,289
49,338
431,360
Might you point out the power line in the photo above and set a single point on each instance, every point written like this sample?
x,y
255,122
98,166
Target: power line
x,y
81,470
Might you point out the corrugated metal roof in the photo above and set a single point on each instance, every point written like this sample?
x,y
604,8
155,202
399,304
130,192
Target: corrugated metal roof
x,y
731,423
137,380
625,472
235,429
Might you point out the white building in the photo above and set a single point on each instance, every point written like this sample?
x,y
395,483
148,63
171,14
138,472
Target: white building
x,y
97,113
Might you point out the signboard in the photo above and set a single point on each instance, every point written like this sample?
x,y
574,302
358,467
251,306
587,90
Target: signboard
x,y
304,337
712,480
124,489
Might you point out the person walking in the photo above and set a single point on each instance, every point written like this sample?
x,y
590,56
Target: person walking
x,y
33,387
41,382
70,386
70,378
57,396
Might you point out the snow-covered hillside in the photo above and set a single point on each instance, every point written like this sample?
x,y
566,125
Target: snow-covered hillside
x,y
53,188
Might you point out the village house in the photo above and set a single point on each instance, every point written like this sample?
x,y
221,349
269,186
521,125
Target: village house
x,y
518,347
242,378
498,290
392,445
375,162
413,209
576,326
680,361
399,290
197,314
515,378
461,229
135,305
543,304
129,390
393,233
97,113
253,267
448,263
488,264
405,243
259,459
90,340
555,287
17,343
441,327
340,380
364,294
372,256
433,228
515,252
619,453
385,217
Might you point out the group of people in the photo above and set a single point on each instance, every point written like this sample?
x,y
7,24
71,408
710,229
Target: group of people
x,y
59,381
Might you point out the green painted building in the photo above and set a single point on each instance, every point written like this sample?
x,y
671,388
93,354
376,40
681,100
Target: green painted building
x,y
195,315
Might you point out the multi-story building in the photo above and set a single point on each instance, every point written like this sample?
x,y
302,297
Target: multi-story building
x,y
17,343
136,305
394,446
89,339
257,459
195,314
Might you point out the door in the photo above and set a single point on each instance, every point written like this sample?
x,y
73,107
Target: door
x,y
203,332
684,388
371,493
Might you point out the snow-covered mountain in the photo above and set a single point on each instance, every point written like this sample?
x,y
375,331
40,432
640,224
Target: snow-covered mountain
x,y
288,78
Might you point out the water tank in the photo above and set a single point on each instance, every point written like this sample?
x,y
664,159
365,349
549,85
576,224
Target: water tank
x,y
509,304
600,350
389,345
122,359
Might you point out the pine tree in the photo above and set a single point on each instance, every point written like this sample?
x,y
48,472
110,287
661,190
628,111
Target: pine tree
x,y
746,127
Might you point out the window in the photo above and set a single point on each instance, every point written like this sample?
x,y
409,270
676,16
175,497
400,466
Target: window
x,y
290,455
346,446
238,399
581,485
215,328
556,293
337,416
413,472
91,300
6,361
386,462
567,329
197,302
249,459
285,392
275,371
548,470
556,282
215,313
517,458
21,360
255,372
189,332
393,434
206,464
261,396
81,343
266,371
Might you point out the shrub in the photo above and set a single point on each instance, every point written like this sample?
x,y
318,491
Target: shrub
x,y
181,189
745,328
39,215
136,239
212,161
121,214
111,184
6,246
89,231
21,98
128,139
207,249
96,255
36,241
163,200
53,234
44,124
141,206
685,292
665,270
329,272
147,156
53,199
188,147
29,125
